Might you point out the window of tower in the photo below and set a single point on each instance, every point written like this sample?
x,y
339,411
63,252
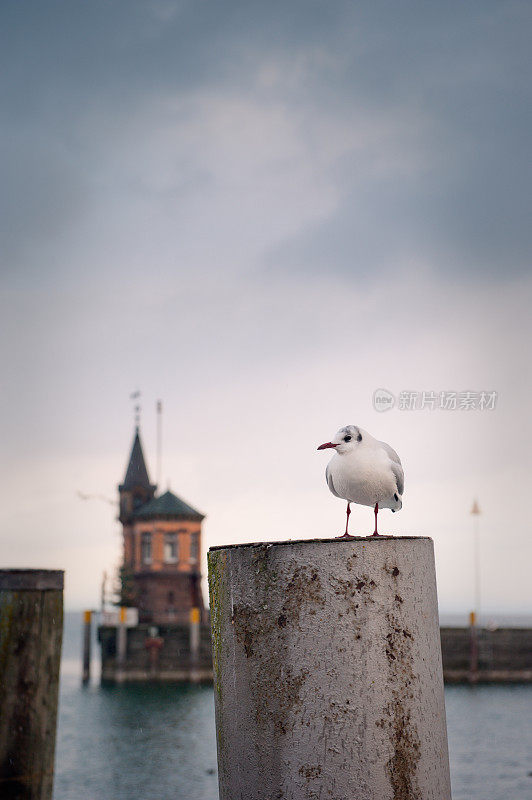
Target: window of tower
x,y
170,548
194,547
145,548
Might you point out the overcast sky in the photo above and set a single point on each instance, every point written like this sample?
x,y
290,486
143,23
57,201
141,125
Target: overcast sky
x,y
261,212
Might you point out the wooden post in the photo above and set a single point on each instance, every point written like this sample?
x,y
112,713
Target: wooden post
x,y
31,630
121,645
87,636
194,634
153,645
327,670
473,648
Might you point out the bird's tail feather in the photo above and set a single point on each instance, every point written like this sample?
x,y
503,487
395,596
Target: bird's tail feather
x,y
398,502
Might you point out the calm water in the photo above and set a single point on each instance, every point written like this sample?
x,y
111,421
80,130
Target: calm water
x,y
158,743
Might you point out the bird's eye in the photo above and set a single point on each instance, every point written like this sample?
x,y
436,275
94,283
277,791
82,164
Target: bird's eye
x,y
347,438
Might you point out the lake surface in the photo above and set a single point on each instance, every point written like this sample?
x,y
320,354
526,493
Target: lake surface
x,y
158,742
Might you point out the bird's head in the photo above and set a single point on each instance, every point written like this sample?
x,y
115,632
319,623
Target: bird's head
x,y
345,440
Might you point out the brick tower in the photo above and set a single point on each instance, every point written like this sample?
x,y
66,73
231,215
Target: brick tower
x,y
160,573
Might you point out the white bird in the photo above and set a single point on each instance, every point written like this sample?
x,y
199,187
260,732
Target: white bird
x,y
364,471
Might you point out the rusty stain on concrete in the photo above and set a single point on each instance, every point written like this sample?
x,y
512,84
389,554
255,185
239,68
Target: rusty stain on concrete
x,y
310,772
402,730
255,625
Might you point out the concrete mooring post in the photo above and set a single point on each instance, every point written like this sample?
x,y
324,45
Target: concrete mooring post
x,y
31,630
327,670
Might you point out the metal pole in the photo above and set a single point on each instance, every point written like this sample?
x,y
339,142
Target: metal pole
x,y
31,629
87,636
477,566
103,592
475,512
327,670
474,617
159,441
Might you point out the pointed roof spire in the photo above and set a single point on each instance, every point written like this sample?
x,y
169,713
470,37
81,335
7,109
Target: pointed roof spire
x,y
137,472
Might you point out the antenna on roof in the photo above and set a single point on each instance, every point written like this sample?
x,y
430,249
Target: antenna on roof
x,y
136,407
159,440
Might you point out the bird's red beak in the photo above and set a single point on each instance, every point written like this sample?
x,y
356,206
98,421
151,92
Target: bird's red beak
x,y
326,445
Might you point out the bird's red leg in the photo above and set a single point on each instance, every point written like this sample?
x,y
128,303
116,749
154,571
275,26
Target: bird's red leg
x,y
375,532
346,534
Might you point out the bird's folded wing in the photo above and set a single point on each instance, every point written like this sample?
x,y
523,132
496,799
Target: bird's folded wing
x,y
397,469
328,478
399,476
390,452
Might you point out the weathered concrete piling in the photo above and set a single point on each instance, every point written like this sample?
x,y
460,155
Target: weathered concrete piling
x,y
31,629
327,670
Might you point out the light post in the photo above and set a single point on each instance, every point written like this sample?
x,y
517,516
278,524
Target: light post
x,y
475,512
475,614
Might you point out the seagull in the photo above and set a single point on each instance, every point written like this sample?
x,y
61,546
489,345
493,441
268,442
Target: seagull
x,y
364,471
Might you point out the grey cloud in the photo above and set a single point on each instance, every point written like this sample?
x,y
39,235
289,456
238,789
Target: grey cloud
x,y
460,69
462,76
43,193
469,216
